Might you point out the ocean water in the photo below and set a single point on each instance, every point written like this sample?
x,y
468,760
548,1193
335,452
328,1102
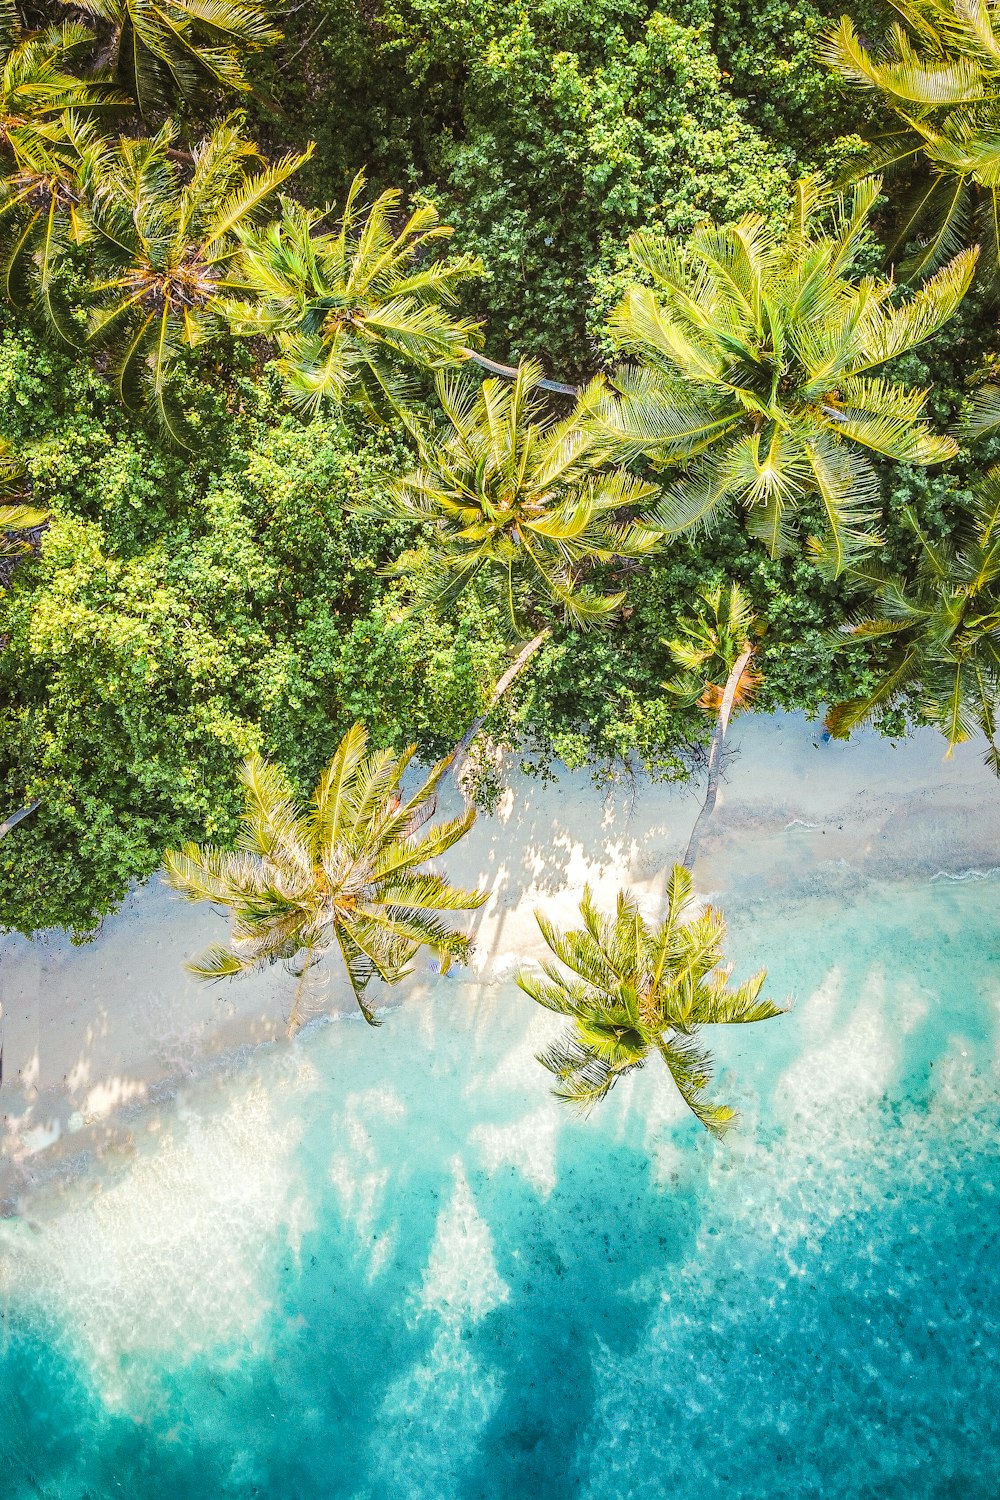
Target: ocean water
x,y
387,1266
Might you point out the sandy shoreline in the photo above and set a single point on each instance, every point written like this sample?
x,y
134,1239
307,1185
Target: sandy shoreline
x,y
92,1031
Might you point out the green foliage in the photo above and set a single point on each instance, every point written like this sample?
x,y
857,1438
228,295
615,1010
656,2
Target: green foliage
x,y
182,615
37,84
562,156
166,242
601,695
937,69
941,625
16,517
770,51
179,47
546,134
710,642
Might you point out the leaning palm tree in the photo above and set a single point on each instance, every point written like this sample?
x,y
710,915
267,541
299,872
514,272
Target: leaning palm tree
x,y
760,372
715,648
356,309
635,989
938,71
179,47
167,236
940,627
522,501
347,874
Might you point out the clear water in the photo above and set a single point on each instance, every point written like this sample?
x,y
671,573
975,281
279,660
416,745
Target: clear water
x,y
384,1266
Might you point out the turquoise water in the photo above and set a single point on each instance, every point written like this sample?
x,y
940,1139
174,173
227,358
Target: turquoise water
x,y
383,1266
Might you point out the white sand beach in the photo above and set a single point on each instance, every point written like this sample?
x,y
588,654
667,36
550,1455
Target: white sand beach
x,y
94,1032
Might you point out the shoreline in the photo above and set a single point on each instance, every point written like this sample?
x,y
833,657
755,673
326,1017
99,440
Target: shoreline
x,y
97,1033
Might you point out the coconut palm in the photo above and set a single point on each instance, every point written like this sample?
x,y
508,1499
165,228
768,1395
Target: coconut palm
x,y
709,643
760,372
715,648
346,874
938,70
940,627
522,500
37,85
633,989
16,517
44,212
168,246
357,309
179,47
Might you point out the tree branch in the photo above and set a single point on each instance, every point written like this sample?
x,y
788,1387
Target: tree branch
x,y
17,817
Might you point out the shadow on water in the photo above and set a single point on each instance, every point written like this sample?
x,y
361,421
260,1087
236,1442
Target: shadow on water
x,y
300,1415
574,1264
813,1314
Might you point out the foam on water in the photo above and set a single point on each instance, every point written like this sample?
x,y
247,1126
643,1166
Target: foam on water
x,y
387,1266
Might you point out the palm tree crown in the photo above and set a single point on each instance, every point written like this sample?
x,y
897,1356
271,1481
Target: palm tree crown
x,y
636,988
346,873
180,46
37,85
168,239
755,369
710,642
942,629
43,212
938,70
521,499
356,308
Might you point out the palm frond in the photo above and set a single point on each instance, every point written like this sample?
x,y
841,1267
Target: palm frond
x,y
346,875
629,986
749,359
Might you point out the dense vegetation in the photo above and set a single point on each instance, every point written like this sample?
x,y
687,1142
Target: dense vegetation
x,y
263,492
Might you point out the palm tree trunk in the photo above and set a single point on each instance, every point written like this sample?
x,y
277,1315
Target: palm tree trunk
x,y
15,818
510,371
715,755
460,753
295,1017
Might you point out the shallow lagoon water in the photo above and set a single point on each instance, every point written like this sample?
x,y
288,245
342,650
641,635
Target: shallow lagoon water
x,y
386,1266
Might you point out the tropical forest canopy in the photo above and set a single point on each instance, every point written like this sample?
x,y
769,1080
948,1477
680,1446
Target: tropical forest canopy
x,y
261,479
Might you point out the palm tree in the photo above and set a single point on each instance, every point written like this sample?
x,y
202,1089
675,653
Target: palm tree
x,y
43,214
179,46
358,309
709,643
938,70
715,649
45,134
346,874
521,500
168,246
636,988
37,85
755,374
941,628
